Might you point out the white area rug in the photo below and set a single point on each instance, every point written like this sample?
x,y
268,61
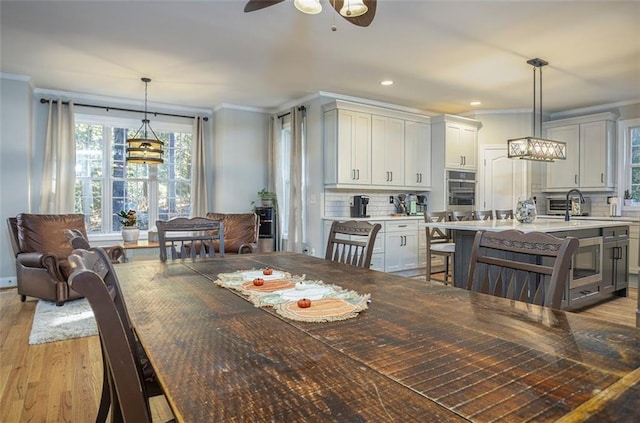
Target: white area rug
x,y
52,323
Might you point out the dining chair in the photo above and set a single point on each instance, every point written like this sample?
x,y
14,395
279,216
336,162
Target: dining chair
x,y
483,215
190,238
124,391
352,242
440,244
98,261
504,214
530,267
460,216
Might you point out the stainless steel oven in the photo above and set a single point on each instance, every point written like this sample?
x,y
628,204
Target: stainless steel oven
x,y
586,265
461,190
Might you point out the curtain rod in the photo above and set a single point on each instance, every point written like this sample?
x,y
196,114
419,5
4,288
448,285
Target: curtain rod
x,y
301,108
107,108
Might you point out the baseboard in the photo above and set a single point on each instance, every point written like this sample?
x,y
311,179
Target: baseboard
x,y
8,282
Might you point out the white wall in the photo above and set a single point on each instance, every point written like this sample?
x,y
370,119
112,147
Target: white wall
x,y
15,140
240,159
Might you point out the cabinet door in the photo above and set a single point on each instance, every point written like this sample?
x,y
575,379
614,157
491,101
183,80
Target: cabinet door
x,y
593,155
564,173
354,147
417,153
460,146
401,251
387,145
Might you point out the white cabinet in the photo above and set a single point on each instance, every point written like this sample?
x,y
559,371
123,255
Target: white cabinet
x,y
590,163
387,151
401,245
417,155
347,141
459,136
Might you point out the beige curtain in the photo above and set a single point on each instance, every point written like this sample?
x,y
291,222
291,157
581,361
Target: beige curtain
x,y
58,173
199,199
295,233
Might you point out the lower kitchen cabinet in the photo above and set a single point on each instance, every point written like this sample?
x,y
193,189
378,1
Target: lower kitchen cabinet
x,y
615,256
401,245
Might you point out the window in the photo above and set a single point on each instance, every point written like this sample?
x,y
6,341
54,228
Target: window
x,y
629,131
105,184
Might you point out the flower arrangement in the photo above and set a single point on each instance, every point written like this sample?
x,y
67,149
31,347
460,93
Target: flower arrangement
x,y
128,218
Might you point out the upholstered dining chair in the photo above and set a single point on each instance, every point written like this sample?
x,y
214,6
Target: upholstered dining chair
x,y
352,242
483,215
190,238
97,261
530,267
440,244
41,250
240,232
504,214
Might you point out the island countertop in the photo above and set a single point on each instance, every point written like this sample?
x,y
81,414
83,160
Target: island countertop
x,y
539,225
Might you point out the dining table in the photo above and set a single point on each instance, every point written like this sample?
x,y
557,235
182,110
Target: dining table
x,y
420,351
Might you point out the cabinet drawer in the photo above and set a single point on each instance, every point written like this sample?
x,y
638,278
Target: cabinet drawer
x,y
401,226
616,233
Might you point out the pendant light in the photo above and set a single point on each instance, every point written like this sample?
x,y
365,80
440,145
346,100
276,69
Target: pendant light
x,y
310,7
140,148
535,147
353,8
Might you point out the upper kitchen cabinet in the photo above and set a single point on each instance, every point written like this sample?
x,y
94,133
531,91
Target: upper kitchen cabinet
x,y
591,154
460,138
417,155
347,143
387,151
369,147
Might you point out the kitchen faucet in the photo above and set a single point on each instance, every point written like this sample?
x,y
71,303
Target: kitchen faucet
x,y
567,215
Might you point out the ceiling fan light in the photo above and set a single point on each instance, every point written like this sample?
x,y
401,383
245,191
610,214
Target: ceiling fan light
x,y
353,8
310,7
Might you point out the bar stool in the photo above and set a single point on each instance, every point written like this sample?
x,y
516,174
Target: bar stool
x,y
439,243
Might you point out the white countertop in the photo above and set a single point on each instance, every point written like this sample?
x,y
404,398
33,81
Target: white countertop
x,y
616,218
376,218
539,225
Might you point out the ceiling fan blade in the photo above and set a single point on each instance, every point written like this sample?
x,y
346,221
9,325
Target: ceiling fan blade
x,y
254,5
363,20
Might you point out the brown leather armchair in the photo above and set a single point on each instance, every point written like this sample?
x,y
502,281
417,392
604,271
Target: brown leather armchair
x,y
240,232
41,250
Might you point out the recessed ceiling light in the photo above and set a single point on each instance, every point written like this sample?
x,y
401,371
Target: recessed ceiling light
x,y
475,103
386,82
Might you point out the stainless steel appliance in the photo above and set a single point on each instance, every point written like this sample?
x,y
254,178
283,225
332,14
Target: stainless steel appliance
x,y
556,206
421,206
359,206
586,266
461,190
266,229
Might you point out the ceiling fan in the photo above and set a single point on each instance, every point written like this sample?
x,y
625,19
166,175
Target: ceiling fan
x,y
348,9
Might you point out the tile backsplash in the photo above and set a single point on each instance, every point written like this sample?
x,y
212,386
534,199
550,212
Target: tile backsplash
x,y
337,203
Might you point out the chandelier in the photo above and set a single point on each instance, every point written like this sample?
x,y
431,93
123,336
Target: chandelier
x,y
536,147
142,149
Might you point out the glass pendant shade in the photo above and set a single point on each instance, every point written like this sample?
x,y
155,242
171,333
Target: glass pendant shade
x,y
142,149
310,7
531,148
353,8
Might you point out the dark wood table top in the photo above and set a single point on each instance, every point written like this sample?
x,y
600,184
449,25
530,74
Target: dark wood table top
x,y
421,352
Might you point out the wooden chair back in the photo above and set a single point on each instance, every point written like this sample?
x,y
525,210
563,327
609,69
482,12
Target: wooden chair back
x,y
504,214
439,243
190,238
351,242
125,381
532,267
459,216
437,235
483,215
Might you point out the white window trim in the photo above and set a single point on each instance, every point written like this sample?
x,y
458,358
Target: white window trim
x,y
624,161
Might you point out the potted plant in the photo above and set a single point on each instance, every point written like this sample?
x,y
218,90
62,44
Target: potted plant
x,y
130,230
268,198
627,198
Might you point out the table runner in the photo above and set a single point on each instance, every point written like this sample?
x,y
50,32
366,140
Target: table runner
x,y
282,291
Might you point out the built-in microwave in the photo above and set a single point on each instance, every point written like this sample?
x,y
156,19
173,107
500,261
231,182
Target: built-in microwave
x,y
557,206
586,264
461,190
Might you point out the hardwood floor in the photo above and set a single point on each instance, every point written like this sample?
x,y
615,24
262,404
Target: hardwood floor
x,y
61,381
52,382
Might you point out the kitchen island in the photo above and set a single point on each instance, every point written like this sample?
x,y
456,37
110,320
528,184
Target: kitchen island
x,y
600,267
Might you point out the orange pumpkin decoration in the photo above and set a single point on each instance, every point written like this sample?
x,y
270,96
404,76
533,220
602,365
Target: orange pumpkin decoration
x,y
267,271
258,281
304,303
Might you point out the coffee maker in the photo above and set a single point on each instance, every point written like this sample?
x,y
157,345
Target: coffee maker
x,y
421,206
359,206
